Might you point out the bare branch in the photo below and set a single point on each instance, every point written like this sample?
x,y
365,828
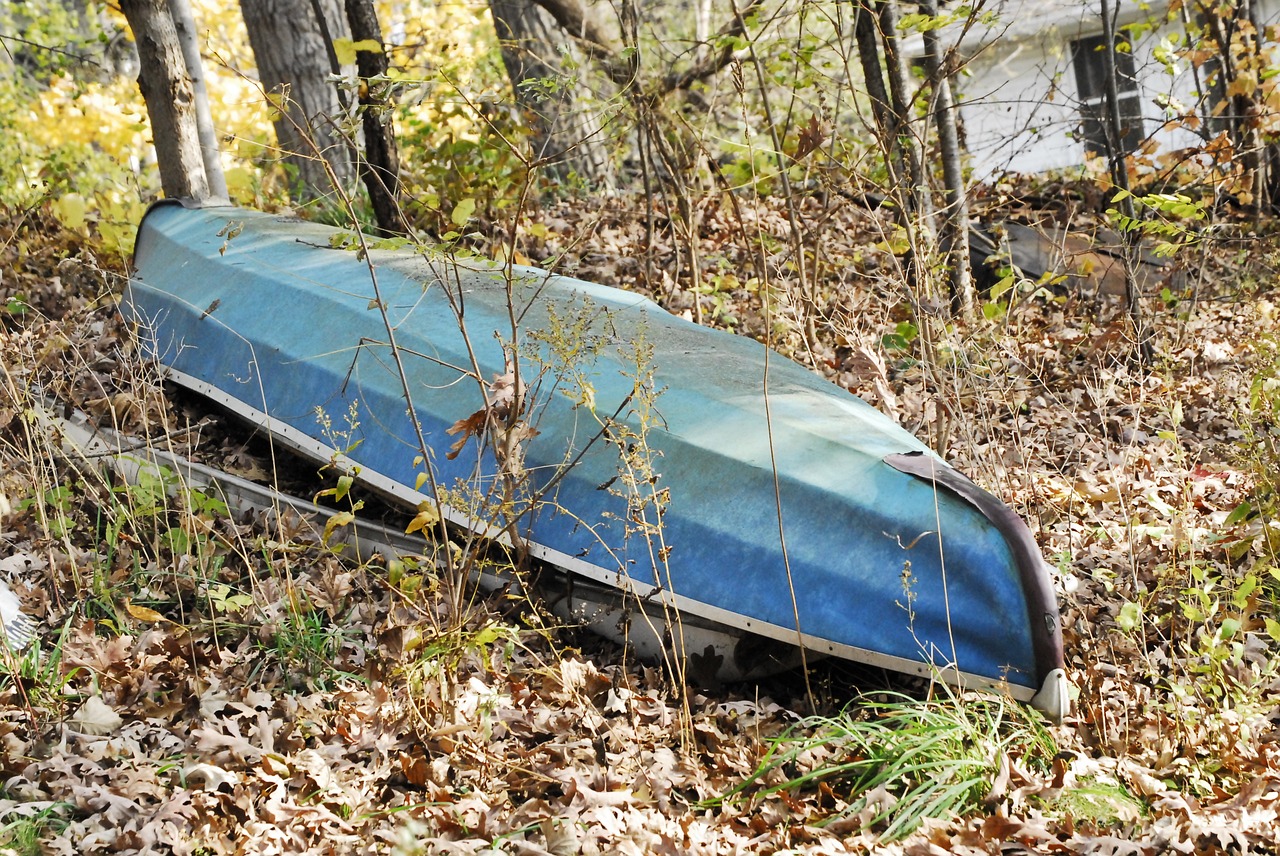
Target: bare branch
x,y
575,21
713,62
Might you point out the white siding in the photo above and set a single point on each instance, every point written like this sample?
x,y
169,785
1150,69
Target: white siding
x,y
1018,97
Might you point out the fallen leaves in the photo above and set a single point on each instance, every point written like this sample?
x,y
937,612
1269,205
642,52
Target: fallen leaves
x,y
334,711
95,717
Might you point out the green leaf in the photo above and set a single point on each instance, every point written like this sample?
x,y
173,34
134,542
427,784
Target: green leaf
x,y
1247,587
337,521
1229,627
462,212
71,210
1238,515
1130,617
487,635
1273,629
1002,287
344,487
1193,613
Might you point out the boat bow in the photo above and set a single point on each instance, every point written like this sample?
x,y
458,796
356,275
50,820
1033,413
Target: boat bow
x,y
653,461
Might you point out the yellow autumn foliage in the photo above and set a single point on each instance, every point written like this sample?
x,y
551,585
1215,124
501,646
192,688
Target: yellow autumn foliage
x,y
84,145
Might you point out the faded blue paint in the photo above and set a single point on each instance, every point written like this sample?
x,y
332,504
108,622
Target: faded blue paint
x,y
285,338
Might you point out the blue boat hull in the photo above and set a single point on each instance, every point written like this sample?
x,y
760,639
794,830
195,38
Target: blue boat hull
x,y
666,470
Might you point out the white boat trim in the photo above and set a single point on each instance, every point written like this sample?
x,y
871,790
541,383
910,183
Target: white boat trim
x,y
1048,699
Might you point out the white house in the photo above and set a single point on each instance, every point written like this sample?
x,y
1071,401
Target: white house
x,y
1031,94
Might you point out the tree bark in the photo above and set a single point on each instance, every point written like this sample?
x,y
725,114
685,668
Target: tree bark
x,y
866,36
293,66
184,23
1120,177
380,169
916,198
569,139
170,97
954,241
911,190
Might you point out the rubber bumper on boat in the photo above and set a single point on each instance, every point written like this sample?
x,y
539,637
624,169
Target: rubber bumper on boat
x,y
1054,698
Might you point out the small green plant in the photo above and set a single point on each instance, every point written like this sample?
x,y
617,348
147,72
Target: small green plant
x,y
38,675
430,675
22,832
55,508
1103,803
468,165
224,600
308,646
1013,287
900,760
902,337
1169,212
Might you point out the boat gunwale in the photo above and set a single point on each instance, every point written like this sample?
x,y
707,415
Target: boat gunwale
x,y
1044,624
1043,614
302,443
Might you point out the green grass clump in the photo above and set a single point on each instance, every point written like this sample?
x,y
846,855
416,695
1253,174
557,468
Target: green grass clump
x,y
895,760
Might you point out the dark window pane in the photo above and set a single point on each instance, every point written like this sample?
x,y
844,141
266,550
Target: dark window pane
x,y
1090,63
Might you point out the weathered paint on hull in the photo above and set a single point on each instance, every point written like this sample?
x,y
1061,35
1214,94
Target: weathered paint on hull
x,y
263,314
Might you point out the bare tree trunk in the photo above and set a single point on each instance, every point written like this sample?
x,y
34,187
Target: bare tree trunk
x,y
1239,44
166,87
913,189
702,26
1264,159
954,241
866,34
545,93
380,169
900,95
293,66
1120,177
184,23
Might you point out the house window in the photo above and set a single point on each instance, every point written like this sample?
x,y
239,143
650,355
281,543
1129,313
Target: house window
x,y
1090,60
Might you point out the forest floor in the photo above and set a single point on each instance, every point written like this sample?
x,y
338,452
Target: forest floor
x,y
204,684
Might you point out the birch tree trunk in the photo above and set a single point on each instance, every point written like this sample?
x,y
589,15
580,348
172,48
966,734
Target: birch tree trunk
x,y
184,23
170,96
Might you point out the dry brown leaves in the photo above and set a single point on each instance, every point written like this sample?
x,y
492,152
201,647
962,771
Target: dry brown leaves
x,y
217,730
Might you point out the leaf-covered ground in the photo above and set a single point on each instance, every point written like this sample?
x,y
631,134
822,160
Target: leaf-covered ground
x,y
209,684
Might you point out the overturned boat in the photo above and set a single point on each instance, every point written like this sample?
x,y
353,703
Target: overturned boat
x,y
728,496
